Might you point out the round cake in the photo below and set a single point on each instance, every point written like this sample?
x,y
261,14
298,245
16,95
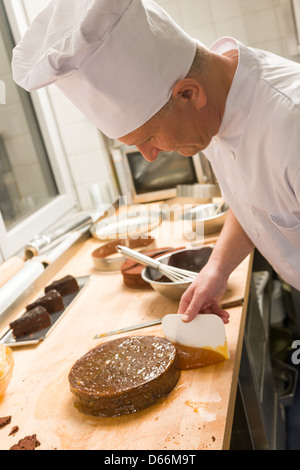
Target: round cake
x,y
124,375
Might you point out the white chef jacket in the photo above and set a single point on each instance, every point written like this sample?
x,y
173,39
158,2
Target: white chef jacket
x,y
256,154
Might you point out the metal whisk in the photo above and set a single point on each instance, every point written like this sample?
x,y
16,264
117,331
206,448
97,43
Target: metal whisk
x,y
171,272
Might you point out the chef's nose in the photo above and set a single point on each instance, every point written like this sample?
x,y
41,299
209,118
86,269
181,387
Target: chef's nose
x,y
149,152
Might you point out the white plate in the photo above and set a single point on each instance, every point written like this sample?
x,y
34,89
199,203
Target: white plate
x,y
124,225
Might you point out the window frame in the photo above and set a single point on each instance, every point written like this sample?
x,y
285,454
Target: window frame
x,y
13,240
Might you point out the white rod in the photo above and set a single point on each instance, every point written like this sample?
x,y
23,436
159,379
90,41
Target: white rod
x,y
19,283
61,248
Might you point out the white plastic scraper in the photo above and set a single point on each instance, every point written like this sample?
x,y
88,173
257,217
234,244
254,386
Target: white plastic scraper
x,y
200,342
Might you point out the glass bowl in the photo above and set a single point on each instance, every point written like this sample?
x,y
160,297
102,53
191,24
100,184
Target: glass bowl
x,y
6,367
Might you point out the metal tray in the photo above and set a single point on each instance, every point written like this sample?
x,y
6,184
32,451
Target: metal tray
x,y
34,338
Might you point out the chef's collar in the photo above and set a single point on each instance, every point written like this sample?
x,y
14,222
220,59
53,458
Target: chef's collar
x,y
116,60
240,95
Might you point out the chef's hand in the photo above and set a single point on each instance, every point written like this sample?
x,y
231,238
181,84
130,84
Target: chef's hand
x,y
204,294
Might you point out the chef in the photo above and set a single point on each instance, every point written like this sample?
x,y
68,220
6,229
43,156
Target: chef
x,y
142,80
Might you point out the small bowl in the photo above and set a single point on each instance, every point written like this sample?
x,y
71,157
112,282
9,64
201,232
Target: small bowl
x,y
6,367
192,259
104,258
204,217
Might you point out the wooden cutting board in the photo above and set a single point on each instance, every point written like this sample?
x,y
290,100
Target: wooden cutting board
x,y
196,415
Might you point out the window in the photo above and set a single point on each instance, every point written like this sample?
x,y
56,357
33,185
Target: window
x,y
33,192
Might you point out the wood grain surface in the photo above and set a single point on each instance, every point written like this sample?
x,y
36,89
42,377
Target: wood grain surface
x,y
196,415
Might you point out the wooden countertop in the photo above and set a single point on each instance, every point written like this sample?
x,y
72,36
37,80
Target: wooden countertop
x,y
197,414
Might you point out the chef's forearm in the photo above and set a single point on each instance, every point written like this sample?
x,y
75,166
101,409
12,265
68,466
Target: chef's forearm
x,y
232,247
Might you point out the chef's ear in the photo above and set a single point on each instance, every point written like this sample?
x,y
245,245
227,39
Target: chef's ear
x,y
190,90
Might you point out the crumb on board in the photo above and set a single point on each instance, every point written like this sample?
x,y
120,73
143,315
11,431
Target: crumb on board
x,y
28,443
14,430
5,421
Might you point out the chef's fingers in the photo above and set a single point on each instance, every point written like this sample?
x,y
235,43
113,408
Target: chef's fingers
x,y
213,308
189,305
217,310
193,310
185,300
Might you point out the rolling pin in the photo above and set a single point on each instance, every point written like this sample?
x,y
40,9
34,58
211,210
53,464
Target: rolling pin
x,y
9,268
19,283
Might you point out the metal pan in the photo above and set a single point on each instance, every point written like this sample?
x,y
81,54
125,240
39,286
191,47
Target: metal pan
x,y
34,338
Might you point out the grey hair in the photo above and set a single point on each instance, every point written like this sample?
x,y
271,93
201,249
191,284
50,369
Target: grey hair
x,y
200,62
197,69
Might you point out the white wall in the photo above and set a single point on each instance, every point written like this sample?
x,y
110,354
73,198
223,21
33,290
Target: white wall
x,y
258,23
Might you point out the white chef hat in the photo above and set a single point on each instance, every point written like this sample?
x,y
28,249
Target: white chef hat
x,y
116,60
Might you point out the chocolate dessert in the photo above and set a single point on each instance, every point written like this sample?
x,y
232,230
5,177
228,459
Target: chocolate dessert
x,y
31,321
65,286
110,248
124,375
131,270
52,302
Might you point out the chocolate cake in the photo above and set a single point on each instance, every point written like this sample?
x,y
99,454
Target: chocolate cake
x,y
52,302
131,270
65,286
31,321
124,375
110,248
